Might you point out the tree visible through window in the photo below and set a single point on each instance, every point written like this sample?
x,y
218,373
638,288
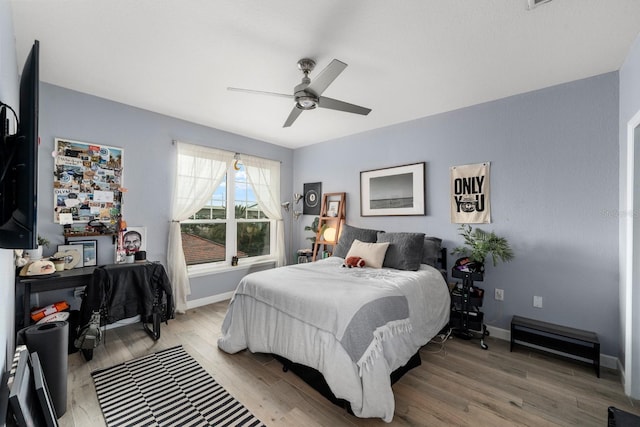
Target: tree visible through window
x,y
216,232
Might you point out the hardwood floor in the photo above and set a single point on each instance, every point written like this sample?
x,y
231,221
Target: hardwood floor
x,y
457,384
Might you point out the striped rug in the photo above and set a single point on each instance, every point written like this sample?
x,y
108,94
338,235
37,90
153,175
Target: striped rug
x,y
168,388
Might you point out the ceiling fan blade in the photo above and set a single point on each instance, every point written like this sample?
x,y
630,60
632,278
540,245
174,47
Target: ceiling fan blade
x,y
334,104
292,117
259,92
326,76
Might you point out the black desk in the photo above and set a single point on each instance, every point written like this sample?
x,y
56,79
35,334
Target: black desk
x,y
81,277
66,279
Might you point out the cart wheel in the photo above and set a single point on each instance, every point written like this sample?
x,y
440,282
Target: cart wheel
x,y
285,368
486,333
484,346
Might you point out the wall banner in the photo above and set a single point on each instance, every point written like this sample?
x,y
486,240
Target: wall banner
x,y
470,194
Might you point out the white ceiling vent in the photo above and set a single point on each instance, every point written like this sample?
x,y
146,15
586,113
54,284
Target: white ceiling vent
x,y
533,3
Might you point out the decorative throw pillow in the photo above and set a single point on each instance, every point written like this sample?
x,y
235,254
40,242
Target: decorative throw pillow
x,y
371,253
432,251
405,250
348,234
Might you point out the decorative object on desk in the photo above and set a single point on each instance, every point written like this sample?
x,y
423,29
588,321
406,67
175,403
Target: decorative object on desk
x,y
121,253
36,254
171,368
479,244
312,192
43,241
470,194
58,262
38,268
87,181
397,190
89,251
71,258
140,256
71,261
20,261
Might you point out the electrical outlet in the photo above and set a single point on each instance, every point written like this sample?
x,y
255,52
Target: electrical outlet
x,y
537,302
499,295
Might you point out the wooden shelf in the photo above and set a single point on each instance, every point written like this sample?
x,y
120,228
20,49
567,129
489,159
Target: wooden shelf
x,y
332,216
87,234
68,236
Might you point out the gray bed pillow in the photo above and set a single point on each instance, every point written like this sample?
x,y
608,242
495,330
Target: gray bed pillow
x,y
405,250
348,234
432,251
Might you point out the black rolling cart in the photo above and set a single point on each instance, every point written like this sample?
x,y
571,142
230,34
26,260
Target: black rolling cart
x,y
466,300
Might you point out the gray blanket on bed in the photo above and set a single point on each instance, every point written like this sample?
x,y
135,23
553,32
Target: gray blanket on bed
x,y
357,306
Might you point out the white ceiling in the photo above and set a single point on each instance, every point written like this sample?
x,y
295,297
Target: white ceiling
x,y
407,59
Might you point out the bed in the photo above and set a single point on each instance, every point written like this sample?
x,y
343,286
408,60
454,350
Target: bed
x,y
355,326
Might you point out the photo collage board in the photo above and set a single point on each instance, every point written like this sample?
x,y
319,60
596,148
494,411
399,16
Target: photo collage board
x,y
87,182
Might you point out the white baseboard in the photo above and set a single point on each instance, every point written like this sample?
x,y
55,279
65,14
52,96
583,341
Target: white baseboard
x,y
606,361
209,300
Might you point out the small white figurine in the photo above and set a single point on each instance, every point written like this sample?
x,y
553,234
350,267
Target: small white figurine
x,y
20,261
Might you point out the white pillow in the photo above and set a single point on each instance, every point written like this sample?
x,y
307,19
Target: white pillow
x,y
372,253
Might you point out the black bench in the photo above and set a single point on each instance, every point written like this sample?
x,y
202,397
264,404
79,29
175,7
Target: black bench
x,y
575,342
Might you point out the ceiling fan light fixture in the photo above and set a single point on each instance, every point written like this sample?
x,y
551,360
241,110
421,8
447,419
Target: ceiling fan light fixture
x,y
306,102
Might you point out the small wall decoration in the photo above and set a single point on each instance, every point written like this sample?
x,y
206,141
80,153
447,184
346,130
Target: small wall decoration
x,y
333,208
470,194
87,181
312,194
130,241
393,191
89,251
135,239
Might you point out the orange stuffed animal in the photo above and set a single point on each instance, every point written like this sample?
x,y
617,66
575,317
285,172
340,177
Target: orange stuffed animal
x,y
353,261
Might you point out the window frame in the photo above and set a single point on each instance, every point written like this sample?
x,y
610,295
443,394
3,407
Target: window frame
x,y
231,230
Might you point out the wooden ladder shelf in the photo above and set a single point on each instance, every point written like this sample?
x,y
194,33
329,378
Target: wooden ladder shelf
x,y
332,216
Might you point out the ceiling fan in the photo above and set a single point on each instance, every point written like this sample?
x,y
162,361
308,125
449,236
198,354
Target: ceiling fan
x,y
307,95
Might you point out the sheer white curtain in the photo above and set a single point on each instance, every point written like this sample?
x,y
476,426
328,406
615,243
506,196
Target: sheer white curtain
x,y
264,177
199,171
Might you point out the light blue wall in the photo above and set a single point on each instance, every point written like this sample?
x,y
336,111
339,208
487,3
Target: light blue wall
x,y
629,107
8,95
149,158
554,194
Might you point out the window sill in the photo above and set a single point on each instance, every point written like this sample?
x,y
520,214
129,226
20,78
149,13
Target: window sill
x,y
207,270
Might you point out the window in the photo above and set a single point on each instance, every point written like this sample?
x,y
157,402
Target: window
x,y
231,223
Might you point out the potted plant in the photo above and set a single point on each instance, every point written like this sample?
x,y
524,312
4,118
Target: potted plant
x,y
479,244
42,241
36,254
314,228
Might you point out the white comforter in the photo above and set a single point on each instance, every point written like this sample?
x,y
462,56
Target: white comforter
x,y
306,313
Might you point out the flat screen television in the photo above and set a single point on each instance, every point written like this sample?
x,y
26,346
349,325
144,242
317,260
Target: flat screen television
x,y
19,164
